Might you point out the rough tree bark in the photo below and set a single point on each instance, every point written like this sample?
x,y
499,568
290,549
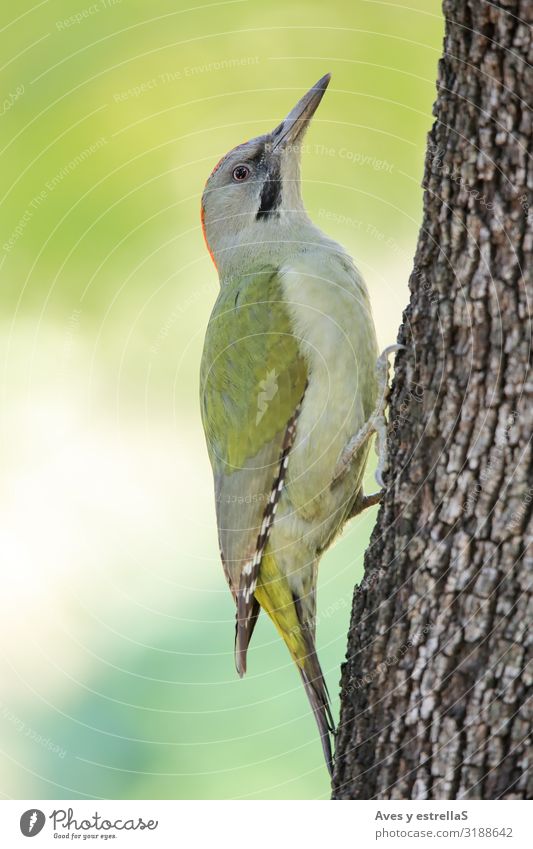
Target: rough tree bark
x,y
436,696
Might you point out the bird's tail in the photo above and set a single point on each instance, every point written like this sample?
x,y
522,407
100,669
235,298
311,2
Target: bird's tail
x,y
275,597
318,696
244,627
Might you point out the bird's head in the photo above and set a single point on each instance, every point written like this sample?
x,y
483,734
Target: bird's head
x,y
254,191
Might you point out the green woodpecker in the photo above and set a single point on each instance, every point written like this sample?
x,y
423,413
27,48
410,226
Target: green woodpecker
x,y
289,391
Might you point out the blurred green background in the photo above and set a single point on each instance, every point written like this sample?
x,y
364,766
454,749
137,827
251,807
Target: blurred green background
x,y
117,674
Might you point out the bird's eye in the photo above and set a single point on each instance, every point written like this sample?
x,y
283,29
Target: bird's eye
x,y
241,173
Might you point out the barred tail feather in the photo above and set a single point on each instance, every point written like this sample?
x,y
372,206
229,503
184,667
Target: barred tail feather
x,y
245,620
247,605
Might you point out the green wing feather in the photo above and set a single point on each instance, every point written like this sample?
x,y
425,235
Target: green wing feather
x,y
253,377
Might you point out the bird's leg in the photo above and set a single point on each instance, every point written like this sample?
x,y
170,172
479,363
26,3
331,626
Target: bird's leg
x,y
364,501
376,424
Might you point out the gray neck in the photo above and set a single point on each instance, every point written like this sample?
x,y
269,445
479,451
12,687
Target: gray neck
x,y
271,241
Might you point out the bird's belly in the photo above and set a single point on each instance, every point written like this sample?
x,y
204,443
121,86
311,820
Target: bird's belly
x,y
336,404
332,412
333,322
311,512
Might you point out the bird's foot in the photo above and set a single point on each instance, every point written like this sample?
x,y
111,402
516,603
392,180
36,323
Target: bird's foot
x,y
382,369
376,423
364,501
351,448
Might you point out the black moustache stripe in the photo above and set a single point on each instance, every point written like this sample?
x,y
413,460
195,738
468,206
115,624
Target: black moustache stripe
x,y
270,194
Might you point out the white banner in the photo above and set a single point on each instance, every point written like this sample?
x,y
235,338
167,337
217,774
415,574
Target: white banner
x,y
287,824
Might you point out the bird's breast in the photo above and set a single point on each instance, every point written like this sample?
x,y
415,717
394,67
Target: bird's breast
x,y
331,319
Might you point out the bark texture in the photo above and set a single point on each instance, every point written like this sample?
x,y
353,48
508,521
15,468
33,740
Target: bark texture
x,y
436,691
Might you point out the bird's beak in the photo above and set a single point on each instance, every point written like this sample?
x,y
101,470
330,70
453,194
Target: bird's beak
x,y
293,127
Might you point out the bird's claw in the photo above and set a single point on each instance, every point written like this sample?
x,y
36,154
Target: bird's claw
x,y
376,423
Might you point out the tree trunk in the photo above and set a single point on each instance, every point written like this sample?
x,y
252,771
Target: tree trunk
x,y
435,688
